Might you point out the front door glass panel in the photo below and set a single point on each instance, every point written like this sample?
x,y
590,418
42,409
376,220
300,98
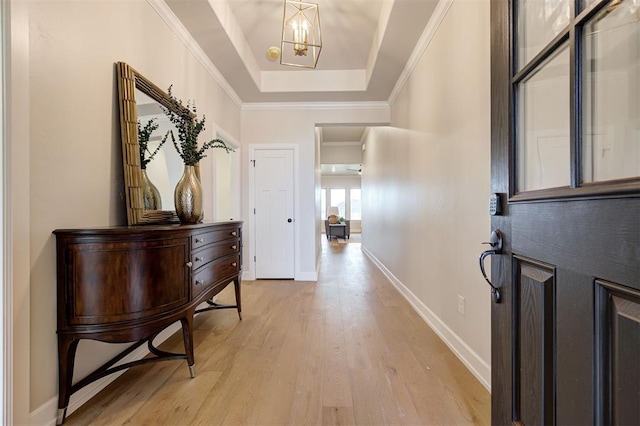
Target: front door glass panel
x,y
538,23
543,139
611,100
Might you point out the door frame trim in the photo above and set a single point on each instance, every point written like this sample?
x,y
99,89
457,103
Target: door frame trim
x,y
251,275
501,165
236,174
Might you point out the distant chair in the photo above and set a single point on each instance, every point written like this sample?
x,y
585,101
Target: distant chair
x,y
342,229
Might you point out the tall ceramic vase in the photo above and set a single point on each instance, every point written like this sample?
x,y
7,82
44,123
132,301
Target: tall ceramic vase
x,y
188,197
151,194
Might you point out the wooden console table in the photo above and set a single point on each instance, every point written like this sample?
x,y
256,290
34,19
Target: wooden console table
x,y
127,284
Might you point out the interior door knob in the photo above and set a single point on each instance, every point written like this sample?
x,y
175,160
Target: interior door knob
x,y
289,220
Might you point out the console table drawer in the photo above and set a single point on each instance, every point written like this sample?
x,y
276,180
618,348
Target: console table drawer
x,y
212,252
214,272
201,240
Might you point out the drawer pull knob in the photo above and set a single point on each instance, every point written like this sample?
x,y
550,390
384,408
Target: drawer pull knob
x,y
233,247
199,282
189,264
199,240
234,233
199,259
234,264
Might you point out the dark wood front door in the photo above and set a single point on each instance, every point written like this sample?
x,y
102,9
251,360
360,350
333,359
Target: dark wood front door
x,y
566,163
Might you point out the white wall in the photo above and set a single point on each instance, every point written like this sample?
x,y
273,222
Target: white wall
x,y
17,150
76,177
295,124
341,154
341,181
426,183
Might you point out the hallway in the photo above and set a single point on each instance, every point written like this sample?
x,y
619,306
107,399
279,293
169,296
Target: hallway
x,y
345,350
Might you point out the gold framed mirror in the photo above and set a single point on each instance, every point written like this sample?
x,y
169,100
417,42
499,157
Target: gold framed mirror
x,y
140,102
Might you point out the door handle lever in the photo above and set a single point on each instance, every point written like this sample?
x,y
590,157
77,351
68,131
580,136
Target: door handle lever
x,y
496,248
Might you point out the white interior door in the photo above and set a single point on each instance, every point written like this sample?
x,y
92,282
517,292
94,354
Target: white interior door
x,y
273,202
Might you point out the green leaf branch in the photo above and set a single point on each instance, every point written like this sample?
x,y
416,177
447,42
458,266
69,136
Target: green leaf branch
x,y
189,127
144,134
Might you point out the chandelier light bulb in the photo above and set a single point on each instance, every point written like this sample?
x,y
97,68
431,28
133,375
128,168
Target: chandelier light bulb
x,y
300,36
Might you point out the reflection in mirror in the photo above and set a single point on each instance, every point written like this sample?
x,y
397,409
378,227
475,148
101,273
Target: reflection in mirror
x,y
140,103
164,166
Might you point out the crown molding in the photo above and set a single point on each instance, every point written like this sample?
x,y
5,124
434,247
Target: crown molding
x,y
185,37
223,12
343,143
263,106
427,35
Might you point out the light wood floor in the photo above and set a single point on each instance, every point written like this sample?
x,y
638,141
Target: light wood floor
x,y
345,350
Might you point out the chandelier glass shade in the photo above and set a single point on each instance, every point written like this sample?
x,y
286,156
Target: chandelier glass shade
x,y
301,35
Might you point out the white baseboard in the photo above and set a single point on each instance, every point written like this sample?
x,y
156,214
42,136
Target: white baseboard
x,y
300,276
47,413
306,276
478,367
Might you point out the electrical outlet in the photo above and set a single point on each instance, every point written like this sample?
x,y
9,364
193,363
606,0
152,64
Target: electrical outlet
x,y
461,305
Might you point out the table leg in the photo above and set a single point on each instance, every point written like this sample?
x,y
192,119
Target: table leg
x,y
187,335
236,284
67,346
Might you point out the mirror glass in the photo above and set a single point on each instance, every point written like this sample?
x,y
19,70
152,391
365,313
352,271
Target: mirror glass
x,y
140,103
164,167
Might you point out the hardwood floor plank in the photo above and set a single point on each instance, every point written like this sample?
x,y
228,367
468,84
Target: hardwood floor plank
x,y
278,397
367,401
396,399
338,416
241,401
178,401
336,389
132,396
308,398
453,378
256,357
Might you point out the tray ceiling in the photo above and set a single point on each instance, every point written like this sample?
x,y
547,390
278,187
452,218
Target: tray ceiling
x,y
366,45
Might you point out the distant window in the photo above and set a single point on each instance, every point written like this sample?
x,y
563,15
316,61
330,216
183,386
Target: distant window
x,y
356,209
338,199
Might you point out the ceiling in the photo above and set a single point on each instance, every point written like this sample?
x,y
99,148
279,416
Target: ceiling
x,y
365,47
341,134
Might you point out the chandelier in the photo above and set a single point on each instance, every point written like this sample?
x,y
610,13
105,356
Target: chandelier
x,y
301,37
